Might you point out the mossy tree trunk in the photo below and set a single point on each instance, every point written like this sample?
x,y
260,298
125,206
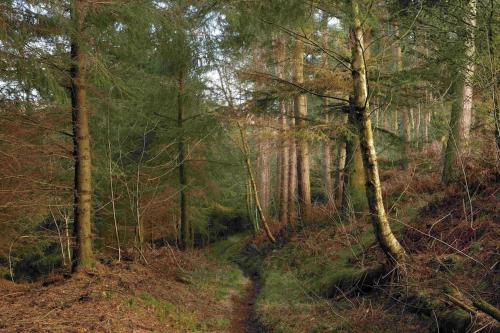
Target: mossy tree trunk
x,y
354,194
82,191
359,103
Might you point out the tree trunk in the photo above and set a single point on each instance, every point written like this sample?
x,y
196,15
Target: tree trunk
x,y
354,195
292,169
264,168
341,161
304,186
406,139
461,111
283,146
326,159
82,192
248,163
185,228
360,106
493,70
398,67
418,122
326,162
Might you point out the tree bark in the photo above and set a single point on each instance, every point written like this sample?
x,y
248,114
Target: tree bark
x,y
341,161
300,104
461,111
264,168
326,159
283,145
493,70
354,194
82,192
359,103
406,139
185,227
418,122
398,67
292,169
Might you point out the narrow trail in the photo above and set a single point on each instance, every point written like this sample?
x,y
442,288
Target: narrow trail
x,y
244,317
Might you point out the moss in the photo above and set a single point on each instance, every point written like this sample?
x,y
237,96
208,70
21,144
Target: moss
x,y
450,319
294,279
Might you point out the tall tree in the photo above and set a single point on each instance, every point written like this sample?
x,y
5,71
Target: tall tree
x,y
292,167
81,139
461,111
398,67
279,45
300,107
327,144
361,114
186,237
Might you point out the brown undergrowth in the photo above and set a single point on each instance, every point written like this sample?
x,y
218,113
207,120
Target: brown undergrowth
x,y
175,292
450,233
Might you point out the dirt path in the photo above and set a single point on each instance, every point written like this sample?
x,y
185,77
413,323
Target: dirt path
x,y
244,317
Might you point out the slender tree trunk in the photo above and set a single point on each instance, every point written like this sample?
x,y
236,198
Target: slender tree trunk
x,y
303,178
494,80
326,162
398,67
292,169
341,161
112,191
185,227
406,139
326,159
396,121
283,145
84,256
248,163
264,168
388,242
354,194
461,111
418,122
250,206
263,176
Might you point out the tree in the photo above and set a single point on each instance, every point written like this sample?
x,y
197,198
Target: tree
x,y
300,113
81,139
361,115
461,111
326,157
279,46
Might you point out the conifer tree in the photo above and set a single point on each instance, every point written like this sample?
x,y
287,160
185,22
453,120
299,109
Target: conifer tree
x,y
461,112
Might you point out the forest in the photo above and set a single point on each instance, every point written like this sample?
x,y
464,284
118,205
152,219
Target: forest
x,y
264,166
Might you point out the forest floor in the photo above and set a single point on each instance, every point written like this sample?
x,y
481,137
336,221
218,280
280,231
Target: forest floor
x,y
330,277
324,277
174,292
